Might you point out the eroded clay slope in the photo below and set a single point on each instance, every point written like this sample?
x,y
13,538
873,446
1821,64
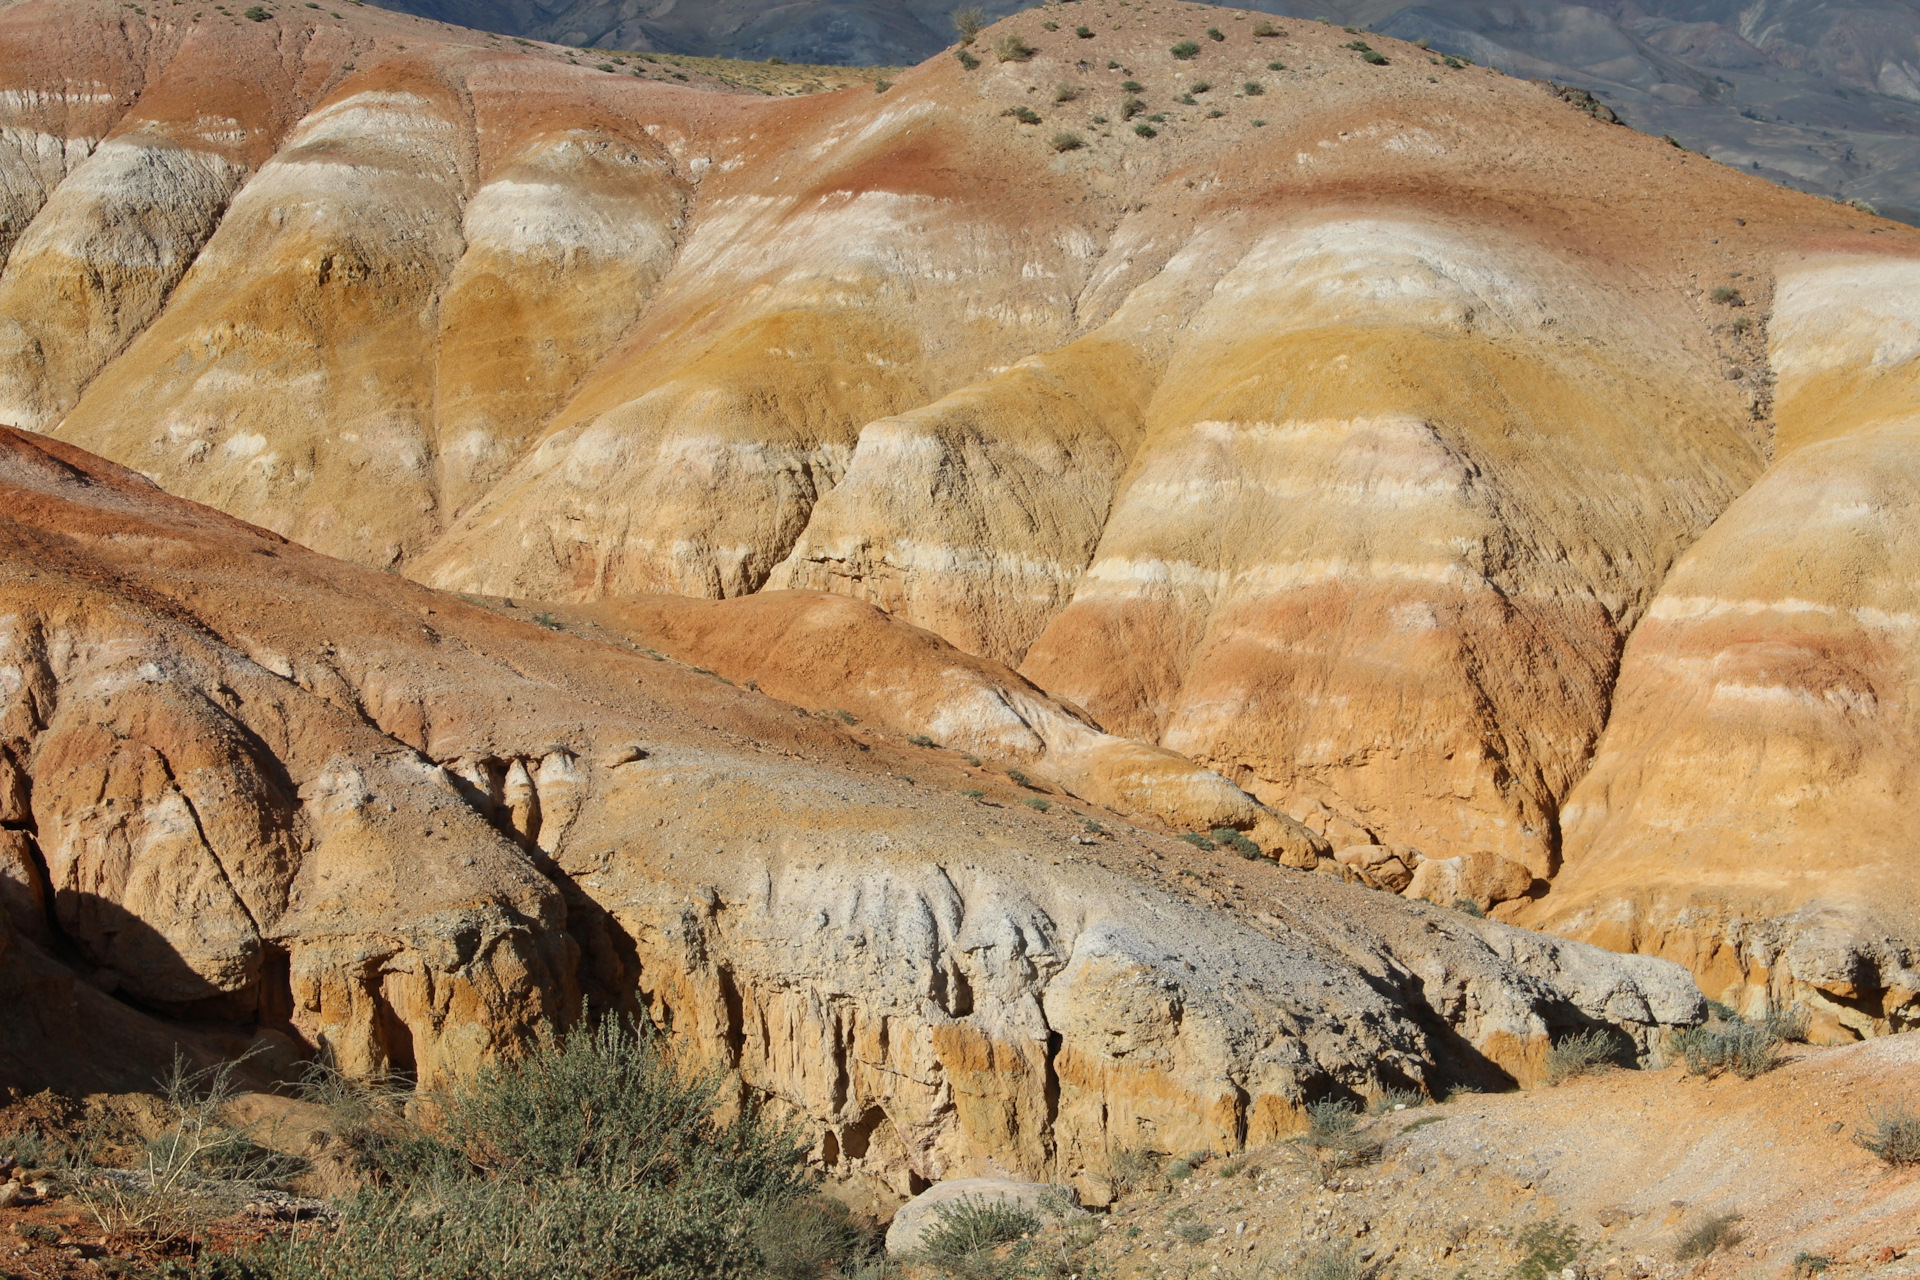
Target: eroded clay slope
x,y
1751,810
1337,432
249,784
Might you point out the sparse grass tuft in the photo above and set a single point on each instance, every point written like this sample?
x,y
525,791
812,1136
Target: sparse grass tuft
x,y
1193,1232
1214,33
1468,907
1895,1136
1548,1248
920,740
1065,92
1018,778
1807,1265
1727,296
1391,1100
1039,804
1333,1261
1265,30
1716,1231
1186,50
1024,114
1133,1169
1065,141
1253,88
1197,840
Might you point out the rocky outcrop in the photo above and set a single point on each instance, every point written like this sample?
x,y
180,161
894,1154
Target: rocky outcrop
x,y
319,803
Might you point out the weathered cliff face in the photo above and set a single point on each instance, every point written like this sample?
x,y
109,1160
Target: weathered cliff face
x,y
1354,442
250,784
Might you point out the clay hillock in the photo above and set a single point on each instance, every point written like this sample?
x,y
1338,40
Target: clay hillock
x,y
1483,486
251,788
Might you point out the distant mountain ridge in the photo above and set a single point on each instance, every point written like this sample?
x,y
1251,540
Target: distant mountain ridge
x,y
1813,94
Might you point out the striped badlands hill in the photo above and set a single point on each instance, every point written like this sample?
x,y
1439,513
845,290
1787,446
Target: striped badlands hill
x,y
1449,470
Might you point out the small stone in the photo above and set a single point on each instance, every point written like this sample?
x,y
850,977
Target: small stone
x,y
11,1194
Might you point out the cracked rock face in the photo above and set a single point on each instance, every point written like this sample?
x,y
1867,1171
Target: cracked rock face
x,y
257,787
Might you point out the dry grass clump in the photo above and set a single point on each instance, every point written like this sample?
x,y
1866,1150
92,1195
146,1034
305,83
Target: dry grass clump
x,y
593,1156
1715,1232
1894,1136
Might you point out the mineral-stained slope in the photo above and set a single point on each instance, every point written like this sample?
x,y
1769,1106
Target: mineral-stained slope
x,y
1752,808
256,786
1334,424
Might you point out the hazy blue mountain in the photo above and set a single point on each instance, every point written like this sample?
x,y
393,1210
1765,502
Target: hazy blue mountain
x,y
1818,94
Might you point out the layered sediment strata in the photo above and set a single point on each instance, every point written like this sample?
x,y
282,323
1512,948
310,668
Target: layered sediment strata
x,y
1351,450
1750,809
264,788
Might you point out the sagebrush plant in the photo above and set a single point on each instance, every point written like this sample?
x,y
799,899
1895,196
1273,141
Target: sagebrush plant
x,y
971,1224
1894,1135
969,22
1715,1232
594,1156
1578,1054
1546,1249
1728,1042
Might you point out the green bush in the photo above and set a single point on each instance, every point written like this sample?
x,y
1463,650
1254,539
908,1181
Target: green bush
x,y
1276,66
967,60
1729,1044
1895,1136
1252,88
257,14
1715,1232
1727,296
1131,107
1228,838
1193,1232
1199,86
1376,59
1065,92
973,1224
1264,30
1197,840
1038,803
593,1157
1133,86
1066,141
1578,1054
1185,50
1025,115
1795,1023
1085,33
969,22
1214,33
920,740
1018,778
1547,1249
